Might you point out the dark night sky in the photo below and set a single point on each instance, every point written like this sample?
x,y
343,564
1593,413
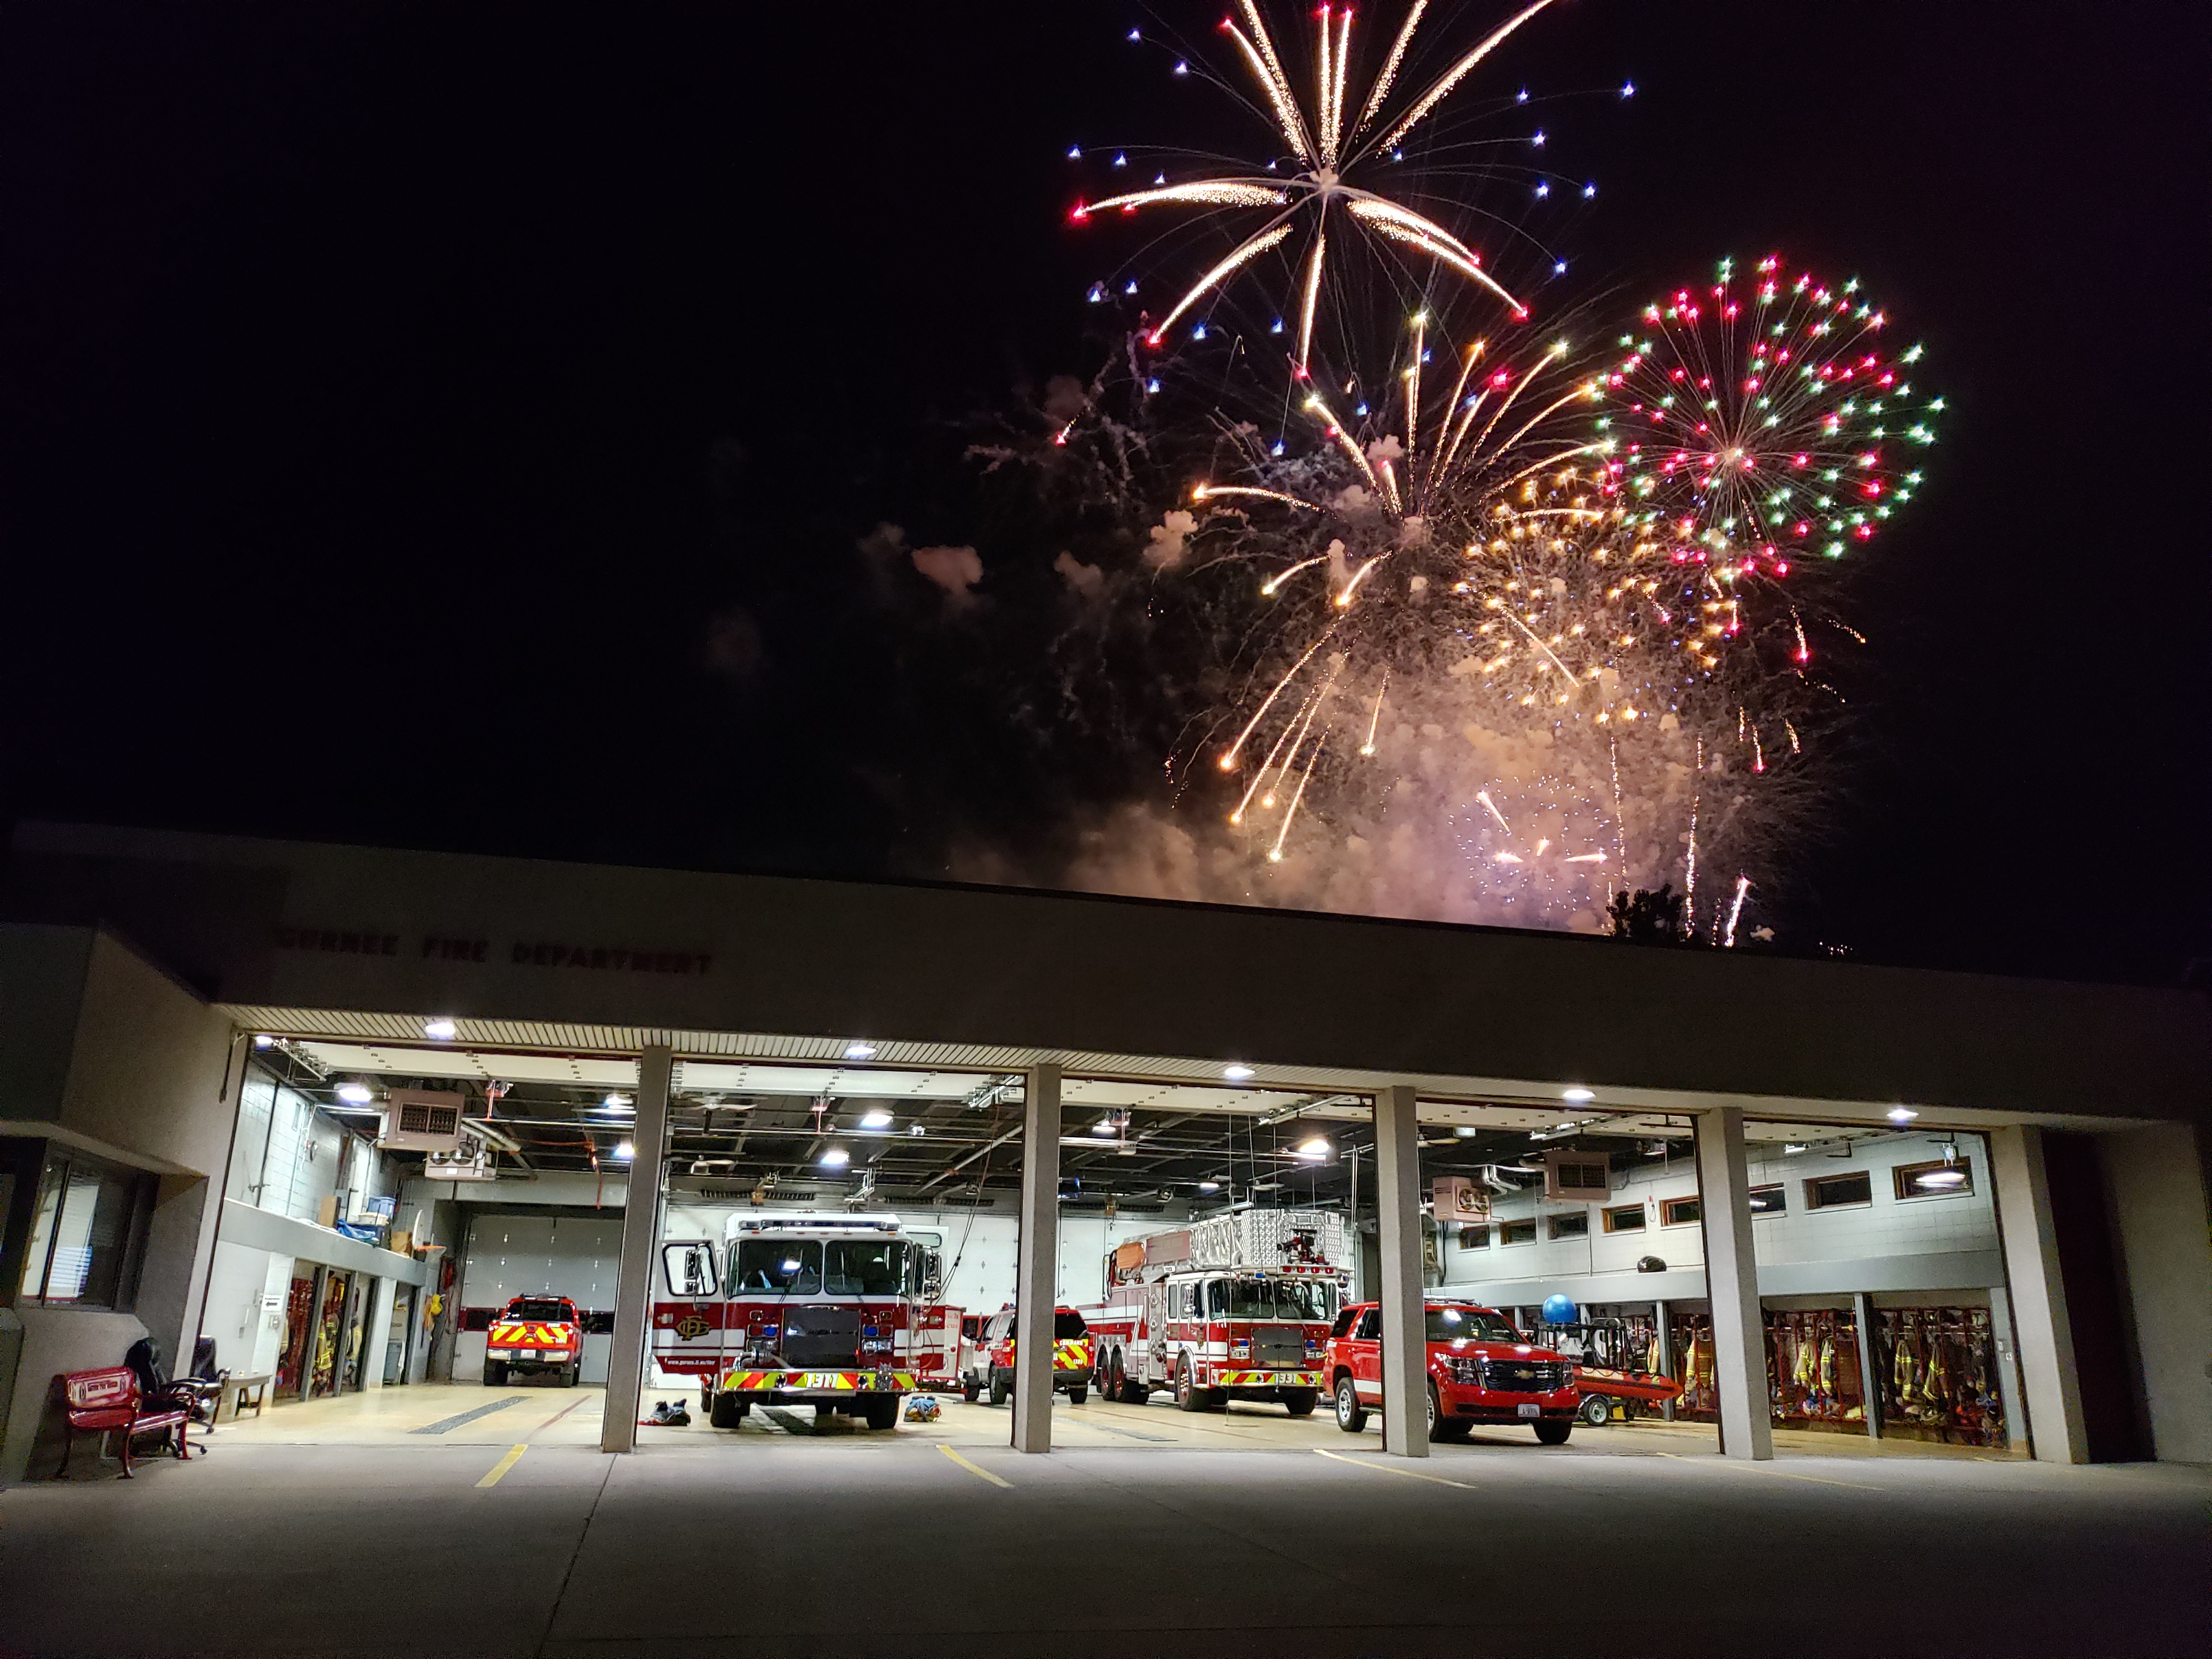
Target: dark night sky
x,y
395,395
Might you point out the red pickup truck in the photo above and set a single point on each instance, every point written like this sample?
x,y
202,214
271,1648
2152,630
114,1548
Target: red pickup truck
x,y
1481,1370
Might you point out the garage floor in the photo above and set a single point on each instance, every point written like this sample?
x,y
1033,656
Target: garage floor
x,y
351,1532
468,1413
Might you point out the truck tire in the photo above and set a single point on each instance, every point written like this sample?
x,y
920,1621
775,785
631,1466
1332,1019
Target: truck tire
x,y
728,1411
1077,1396
969,1388
1001,1387
1136,1393
575,1376
1300,1403
1189,1396
1351,1415
1555,1433
881,1411
1596,1411
494,1374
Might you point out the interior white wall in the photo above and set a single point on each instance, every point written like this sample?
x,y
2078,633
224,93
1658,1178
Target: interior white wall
x,y
2158,1210
1888,1226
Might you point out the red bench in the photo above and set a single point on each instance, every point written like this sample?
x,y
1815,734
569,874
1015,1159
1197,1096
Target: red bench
x,y
107,1401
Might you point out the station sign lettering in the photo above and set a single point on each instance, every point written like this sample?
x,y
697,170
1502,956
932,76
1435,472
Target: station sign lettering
x,y
522,953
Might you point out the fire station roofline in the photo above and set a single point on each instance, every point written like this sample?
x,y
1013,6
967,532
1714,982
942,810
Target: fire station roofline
x,y
587,961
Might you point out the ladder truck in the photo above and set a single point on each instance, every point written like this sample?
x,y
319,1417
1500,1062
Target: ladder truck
x,y
1234,1307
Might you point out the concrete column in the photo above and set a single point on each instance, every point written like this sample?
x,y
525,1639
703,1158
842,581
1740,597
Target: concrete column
x,y
1732,1286
2043,1334
1870,1350
1405,1327
1037,1279
2156,1179
376,1335
641,1233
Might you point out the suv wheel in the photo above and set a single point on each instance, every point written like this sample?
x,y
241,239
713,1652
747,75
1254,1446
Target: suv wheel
x,y
1555,1432
1351,1415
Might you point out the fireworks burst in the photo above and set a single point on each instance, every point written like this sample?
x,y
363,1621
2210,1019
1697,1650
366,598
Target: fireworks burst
x,y
1325,181
1762,420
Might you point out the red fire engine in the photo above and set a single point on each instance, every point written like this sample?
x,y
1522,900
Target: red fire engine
x,y
1234,1307
535,1334
831,1311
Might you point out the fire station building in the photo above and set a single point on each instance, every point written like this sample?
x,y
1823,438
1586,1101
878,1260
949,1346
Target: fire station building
x,y
1934,1210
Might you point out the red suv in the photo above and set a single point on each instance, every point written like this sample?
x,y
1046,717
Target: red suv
x,y
1481,1370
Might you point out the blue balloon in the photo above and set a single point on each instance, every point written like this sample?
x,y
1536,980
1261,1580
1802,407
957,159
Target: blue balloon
x,y
1559,1311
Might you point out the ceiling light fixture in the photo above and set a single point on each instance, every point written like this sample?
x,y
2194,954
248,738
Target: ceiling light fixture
x,y
263,1039
1318,1148
439,1030
1209,1186
1902,1115
859,1051
625,1150
1940,1178
1103,1127
355,1094
1466,1131
1579,1094
614,1103
878,1118
836,1158
1239,1072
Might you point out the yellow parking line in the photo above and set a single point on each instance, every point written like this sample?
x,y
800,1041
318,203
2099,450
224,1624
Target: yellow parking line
x,y
1391,1469
983,1473
1761,1469
501,1468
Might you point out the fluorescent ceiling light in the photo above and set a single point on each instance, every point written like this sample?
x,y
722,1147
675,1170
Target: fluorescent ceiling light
x,y
859,1051
1466,1131
1103,1127
625,1150
1209,1186
355,1094
1317,1148
878,1119
836,1158
614,1103
1577,1094
1236,1073
440,1028
1902,1115
1940,1178
263,1039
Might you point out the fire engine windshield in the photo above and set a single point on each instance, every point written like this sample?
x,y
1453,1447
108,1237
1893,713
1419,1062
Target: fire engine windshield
x,y
866,1266
1456,1324
537,1308
785,1266
1279,1299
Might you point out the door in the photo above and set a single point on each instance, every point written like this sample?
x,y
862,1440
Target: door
x,y
1367,1355
688,1309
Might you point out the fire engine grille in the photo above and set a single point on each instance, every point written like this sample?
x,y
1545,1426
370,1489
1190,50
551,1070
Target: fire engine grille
x,y
1524,1376
1278,1345
821,1337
